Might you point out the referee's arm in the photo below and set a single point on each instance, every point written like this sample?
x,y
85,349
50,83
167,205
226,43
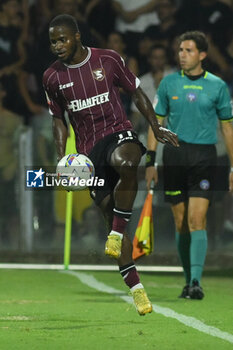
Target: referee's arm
x,y
227,130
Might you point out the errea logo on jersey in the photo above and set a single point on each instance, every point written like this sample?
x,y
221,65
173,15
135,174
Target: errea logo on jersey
x,y
65,86
78,105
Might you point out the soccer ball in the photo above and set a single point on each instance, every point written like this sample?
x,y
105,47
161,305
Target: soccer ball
x,y
75,172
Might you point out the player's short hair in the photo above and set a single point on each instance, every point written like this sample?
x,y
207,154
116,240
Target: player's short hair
x,y
66,21
198,37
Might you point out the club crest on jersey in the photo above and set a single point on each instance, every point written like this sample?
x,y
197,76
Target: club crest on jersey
x,y
191,97
98,74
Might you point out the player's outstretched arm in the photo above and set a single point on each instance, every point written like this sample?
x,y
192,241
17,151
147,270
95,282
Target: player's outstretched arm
x,y
60,133
145,107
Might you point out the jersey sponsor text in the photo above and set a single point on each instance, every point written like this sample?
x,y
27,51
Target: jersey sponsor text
x,y
195,87
78,105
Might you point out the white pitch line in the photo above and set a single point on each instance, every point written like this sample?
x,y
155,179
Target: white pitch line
x,y
192,322
88,267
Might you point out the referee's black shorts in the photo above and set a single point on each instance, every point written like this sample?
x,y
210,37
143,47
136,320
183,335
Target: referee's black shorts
x,y
100,156
189,171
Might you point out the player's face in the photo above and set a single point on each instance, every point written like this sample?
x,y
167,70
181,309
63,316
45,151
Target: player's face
x,y
64,43
190,57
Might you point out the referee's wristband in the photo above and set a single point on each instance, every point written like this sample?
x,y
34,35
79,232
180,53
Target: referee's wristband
x,y
150,158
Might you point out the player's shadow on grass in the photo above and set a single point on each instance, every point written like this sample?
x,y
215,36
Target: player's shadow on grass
x,y
99,294
99,325
104,300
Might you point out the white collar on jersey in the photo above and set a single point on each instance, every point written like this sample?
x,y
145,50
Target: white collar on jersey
x,y
81,63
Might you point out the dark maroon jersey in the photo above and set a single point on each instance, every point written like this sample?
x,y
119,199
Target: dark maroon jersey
x,y
89,92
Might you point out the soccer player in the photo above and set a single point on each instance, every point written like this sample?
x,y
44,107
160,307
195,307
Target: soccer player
x,y
193,100
85,82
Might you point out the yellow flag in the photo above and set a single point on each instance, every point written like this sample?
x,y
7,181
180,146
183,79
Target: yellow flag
x,y
143,243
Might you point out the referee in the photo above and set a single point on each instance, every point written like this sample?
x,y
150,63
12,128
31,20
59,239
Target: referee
x,y
193,100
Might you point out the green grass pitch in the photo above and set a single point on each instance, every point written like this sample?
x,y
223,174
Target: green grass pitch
x,y
53,310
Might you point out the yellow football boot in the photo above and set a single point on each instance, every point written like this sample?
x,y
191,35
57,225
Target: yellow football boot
x,y
141,301
113,246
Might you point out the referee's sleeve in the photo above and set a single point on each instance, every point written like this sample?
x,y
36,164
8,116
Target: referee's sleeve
x,y
162,106
224,107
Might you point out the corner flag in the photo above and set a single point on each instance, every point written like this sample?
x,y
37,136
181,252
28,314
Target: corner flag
x,y
143,243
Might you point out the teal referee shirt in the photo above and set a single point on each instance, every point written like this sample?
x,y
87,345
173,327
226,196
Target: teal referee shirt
x,y
193,107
